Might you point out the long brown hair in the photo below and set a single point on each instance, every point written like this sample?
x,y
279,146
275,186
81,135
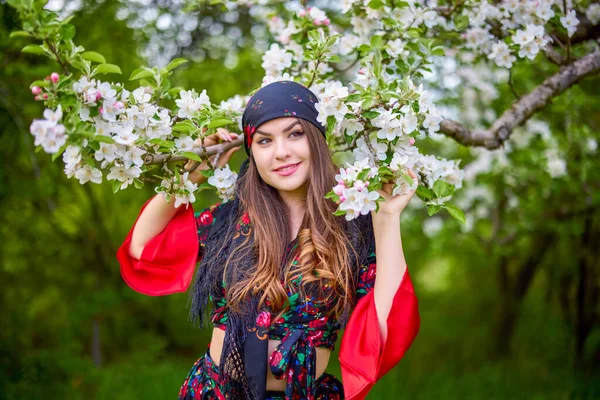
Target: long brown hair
x,y
323,260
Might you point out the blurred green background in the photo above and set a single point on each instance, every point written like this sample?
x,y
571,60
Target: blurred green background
x,y
509,307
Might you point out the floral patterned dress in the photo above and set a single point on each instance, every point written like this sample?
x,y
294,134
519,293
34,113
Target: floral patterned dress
x,y
306,325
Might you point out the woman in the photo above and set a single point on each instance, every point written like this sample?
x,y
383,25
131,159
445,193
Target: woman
x,y
282,272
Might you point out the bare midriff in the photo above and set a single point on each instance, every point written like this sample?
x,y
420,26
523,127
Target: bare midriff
x,y
216,346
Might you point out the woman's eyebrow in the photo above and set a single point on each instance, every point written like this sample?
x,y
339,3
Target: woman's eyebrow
x,y
293,124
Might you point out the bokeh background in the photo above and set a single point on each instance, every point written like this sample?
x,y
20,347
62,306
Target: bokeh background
x,y
509,302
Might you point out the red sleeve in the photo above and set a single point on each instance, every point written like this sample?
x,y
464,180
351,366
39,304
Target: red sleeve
x,y
363,357
168,260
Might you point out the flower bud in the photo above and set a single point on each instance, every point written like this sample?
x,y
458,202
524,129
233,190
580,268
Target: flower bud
x,y
37,98
359,185
339,189
45,96
36,90
302,13
326,21
411,141
98,96
54,77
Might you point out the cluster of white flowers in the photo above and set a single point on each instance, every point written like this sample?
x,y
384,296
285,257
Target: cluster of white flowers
x,y
121,119
224,180
183,189
190,103
332,95
354,197
528,18
531,40
433,168
48,132
555,165
593,13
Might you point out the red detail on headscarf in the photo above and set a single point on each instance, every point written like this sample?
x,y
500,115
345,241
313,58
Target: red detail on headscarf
x,y
249,131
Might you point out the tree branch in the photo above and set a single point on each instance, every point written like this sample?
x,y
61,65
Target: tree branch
x,y
150,158
525,107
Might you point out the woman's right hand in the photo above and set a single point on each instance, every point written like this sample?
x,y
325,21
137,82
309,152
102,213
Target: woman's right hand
x,y
222,135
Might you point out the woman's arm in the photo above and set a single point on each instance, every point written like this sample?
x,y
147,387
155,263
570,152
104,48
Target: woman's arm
x,y
158,213
152,221
391,266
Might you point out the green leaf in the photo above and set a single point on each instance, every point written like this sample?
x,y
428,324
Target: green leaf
x,y
205,186
440,187
414,33
456,213
461,22
67,32
140,73
93,56
19,34
108,69
376,4
138,183
191,156
370,114
314,35
33,49
59,152
334,59
219,122
176,63
39,83
116,185
376,42
432,210
424,193
79,65
184,126
104,139
438,51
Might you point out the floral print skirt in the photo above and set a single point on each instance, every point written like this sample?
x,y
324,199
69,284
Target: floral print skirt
x,y
204,383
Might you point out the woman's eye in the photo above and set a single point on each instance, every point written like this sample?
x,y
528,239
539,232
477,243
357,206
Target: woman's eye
x,y
261,141
297,133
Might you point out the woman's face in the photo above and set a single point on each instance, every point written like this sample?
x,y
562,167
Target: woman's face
x,y
282,155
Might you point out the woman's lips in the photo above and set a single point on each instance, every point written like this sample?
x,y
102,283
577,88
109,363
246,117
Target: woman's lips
x,y
288,171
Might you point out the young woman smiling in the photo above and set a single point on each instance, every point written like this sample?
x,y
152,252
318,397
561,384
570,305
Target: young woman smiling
x,y
282,272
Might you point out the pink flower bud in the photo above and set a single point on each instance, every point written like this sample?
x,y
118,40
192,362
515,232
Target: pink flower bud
x,y
326,22
45,96
54,77
101,110
36,90
342,198
361,71
339,189
411,141
98,96
341,182
118,105
302,13
317,22
359,185
37,98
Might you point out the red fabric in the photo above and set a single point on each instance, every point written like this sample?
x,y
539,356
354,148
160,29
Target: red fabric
x,y
168,260
363,357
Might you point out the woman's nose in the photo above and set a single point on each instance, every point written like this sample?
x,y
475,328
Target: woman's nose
x,y
282,150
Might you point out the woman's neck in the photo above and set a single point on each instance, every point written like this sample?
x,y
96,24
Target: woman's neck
x,y
296,204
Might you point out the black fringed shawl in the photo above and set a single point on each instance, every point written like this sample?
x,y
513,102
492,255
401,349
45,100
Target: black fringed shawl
x,y
210,275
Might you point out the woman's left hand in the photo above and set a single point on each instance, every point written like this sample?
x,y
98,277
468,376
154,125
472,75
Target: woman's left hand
x,y
394,205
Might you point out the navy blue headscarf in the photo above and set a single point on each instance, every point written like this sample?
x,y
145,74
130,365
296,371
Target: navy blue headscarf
x,y
276,100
